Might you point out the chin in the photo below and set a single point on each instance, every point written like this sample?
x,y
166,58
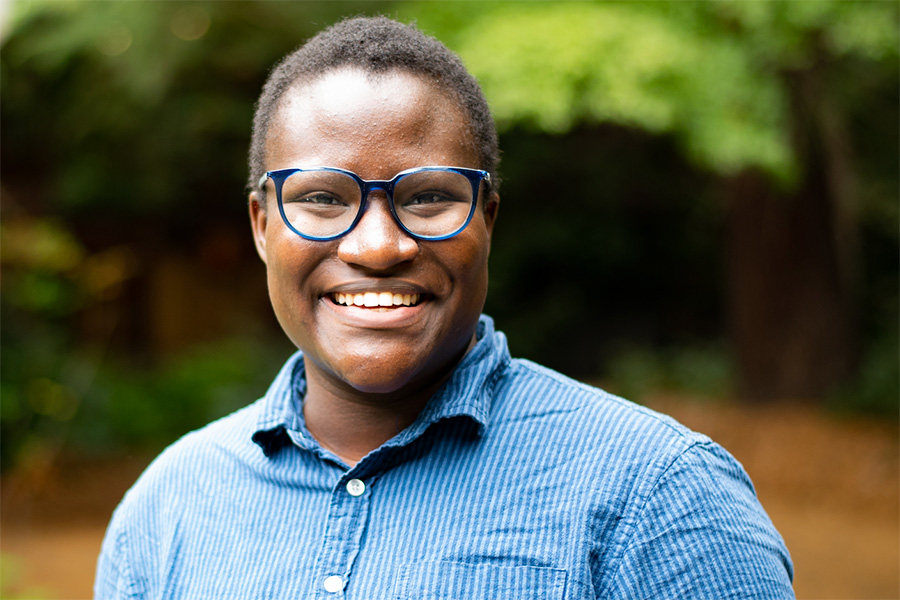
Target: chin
x,y
391,378
379,381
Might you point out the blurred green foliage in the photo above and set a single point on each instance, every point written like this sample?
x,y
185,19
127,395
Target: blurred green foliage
x,y
126,127
702,371
56,395
136,406
708,72
125,130
140,107
719,79
56,388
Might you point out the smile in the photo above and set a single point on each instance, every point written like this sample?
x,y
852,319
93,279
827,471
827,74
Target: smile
x,y
375,299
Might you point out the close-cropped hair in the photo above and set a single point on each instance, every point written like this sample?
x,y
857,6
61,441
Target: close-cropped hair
x,y
375,45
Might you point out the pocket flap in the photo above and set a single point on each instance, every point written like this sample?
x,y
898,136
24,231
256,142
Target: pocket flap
x,y
460,581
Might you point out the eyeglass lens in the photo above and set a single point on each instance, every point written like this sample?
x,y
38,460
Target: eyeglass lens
x,y
427,203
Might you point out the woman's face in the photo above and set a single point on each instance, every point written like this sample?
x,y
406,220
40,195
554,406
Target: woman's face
x,y
375,126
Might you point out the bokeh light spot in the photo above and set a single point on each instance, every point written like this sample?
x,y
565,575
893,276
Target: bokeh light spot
x,y
116,40
51,399
190,23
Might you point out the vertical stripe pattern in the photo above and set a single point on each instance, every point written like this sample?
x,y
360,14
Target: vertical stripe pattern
x,y
515,482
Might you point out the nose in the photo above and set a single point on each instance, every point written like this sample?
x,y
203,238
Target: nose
x,y
377,242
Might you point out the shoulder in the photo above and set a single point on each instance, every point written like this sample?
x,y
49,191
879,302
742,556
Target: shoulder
x,y
597,419
659,493
633,453
187,469
145,525
616,450
704,527
186,461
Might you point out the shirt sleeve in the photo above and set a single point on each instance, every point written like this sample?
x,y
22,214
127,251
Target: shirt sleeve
x,y
702,533
113,580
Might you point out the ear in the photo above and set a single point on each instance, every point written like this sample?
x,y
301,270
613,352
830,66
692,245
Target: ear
x,y
258,220
491,207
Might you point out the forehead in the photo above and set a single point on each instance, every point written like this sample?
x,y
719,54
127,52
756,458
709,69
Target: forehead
x,y
348,115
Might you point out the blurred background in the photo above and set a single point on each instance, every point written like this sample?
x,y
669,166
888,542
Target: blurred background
x,y
700,213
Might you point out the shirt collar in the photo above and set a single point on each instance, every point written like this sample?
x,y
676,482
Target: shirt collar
x,y
468,393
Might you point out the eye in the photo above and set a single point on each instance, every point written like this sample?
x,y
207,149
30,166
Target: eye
x,y
431,197
317,198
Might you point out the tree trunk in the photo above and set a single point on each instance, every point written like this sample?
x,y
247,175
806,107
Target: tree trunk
x,y
792,260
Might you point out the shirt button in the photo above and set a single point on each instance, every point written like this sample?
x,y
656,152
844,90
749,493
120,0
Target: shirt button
x,y
355,487
333,584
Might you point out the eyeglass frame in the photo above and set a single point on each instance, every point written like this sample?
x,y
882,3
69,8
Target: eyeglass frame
x,y
367,186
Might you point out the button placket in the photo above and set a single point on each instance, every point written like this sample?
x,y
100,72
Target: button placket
x,y
346,523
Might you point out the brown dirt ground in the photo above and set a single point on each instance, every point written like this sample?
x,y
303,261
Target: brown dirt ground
x,y
831,485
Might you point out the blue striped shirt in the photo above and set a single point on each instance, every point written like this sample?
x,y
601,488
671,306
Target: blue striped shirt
x,y
514,482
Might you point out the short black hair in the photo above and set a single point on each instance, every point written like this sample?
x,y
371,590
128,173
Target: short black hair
x,y
376,45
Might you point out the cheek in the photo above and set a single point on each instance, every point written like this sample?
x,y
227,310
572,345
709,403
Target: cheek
x,y
291,258
288,268
470,265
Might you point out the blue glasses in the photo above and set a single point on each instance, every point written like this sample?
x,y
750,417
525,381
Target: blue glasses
x,y
428,203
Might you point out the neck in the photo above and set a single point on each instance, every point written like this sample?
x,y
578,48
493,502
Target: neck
x,y
352,425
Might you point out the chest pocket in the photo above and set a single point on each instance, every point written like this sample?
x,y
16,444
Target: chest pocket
x,y
459,581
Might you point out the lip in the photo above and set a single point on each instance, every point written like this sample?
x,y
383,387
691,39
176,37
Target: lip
x,y
371,318
394,286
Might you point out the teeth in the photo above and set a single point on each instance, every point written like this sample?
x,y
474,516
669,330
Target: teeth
x,y
378,300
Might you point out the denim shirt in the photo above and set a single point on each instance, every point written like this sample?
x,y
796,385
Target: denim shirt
x,y
514,482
